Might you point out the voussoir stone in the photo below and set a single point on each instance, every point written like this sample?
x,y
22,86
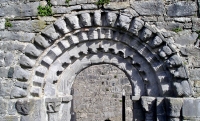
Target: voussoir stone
x,y
148,7
18,93
26,61
32,50
21,74
182,9
174,61
23,107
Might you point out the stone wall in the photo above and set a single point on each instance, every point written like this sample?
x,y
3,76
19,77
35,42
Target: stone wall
x,y
177,20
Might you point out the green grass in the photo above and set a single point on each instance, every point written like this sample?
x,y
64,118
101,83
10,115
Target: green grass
x,y
177,29
45,10
67,2
103,2
8,24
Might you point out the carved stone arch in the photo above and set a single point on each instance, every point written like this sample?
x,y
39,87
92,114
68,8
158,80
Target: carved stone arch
x,y
75,35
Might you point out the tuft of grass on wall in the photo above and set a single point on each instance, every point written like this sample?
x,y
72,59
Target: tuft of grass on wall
x,y
67,2
198,32
45,10
103,2
7,23
177,29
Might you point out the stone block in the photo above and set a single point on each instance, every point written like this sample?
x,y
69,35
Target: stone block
x,y
174,61
26,61
2,24
110,19
173,106
3,72
20,36
28,26
23,107
5,87
117,5
60,9
89,6
73,21
9,58
189,108
51,32
18,93
9,118
36,112
32,50
11,108
3,106
85,19
49,90
36,91
20,10
21,74
123,22
61,25
186,38
195,24
182,9
148,7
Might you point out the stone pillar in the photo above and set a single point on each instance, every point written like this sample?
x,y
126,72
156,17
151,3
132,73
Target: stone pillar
x,y
135,109
149,106
160,109
173,107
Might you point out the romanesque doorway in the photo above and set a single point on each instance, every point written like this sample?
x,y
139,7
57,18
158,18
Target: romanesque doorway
x,y
98,94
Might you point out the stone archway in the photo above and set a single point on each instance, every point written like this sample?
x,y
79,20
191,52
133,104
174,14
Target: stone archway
x,y
77,41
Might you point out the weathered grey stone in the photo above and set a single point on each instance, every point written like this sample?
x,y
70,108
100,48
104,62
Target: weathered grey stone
x,y
136,25
51,32
148,7
3,72
97,18
42,41
36,91
11,108
53,104
21,84
11,45
145,34
5,87
156,42
117,5
85,19
184,51
196,24
29,9
2,63
61,9
189,108
124,22
178,89
9,118
174,61
129,11
110,19
61,25
26,61
181,73
167,50
173,106
2,24
58,2
28,26
23,107
186,88
18,93
182,9
11,72
89,6
81,1
183,19
32,50
36,112
3,106
9,58
20,36
148,104
186,39
73,21
169,25
21,74
67,98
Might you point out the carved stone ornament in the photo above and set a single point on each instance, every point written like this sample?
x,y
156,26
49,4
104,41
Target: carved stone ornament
x,y
23,107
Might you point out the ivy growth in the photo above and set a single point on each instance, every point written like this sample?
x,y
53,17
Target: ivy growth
x,y
67,2
103,2
45,10
7,23
177,29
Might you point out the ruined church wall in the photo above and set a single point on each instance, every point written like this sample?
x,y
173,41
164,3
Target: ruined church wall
x,y
179,18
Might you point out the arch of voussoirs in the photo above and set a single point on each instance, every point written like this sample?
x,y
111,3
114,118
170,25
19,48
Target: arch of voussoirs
x,y
77,41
